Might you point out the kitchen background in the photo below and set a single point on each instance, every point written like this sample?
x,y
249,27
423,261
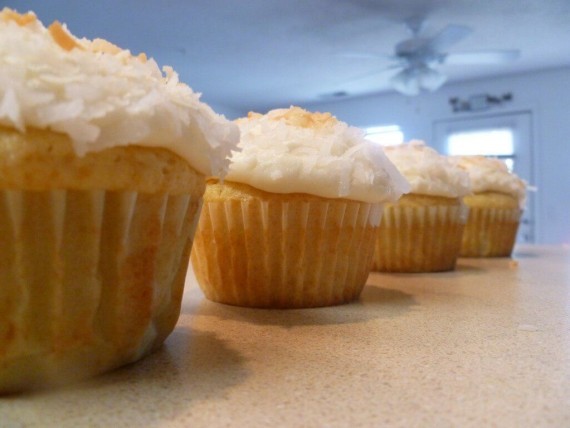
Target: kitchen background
x,y
354,58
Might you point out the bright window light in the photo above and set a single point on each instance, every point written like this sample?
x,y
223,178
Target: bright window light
x,y
486,142
389,135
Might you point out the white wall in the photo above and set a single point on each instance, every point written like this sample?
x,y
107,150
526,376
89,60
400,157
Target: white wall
x,y
229,112
546,94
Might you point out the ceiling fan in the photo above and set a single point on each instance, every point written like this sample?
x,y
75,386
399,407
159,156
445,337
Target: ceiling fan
x,y
418,58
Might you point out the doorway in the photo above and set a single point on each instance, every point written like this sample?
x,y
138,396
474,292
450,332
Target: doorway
x,y
507,136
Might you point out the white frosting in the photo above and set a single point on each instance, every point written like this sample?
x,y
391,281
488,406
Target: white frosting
x,y
101,96
428,172
294,151
492,175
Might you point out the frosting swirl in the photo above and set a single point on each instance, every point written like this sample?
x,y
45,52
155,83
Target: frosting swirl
x,y
295,151
102,96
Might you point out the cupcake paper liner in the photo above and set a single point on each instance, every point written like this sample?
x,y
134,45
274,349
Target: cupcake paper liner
x,y
419,239
490,232
284,254
90,280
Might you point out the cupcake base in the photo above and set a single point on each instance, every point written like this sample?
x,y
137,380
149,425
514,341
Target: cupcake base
x,y
89,280
492,226
419,234
259,249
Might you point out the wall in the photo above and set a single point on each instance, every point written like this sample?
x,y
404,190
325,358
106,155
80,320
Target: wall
x,y
546,94
229,112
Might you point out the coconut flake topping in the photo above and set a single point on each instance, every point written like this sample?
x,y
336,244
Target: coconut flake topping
x,y
428,172
492,175
102,96
295,151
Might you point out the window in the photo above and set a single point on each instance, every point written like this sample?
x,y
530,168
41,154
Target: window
x,y
389,135
507,136
493,142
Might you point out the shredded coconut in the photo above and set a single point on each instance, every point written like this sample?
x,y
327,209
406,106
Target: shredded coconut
x,y
294,151
428,172
101,96
492,175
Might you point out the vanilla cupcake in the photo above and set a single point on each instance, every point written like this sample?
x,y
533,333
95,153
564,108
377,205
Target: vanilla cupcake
x,y
103,161
422,231
495,207
293,224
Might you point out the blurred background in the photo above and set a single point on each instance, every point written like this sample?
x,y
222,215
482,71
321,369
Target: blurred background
x,y
468,77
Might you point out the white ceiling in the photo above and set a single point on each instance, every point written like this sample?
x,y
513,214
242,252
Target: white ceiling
x,y
258,54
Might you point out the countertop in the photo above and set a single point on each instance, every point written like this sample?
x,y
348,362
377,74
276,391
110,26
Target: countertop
x,y
486,345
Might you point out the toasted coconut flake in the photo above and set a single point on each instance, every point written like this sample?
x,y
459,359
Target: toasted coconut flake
x,y
102,96
62,37
429,172
492,175
296,151
20,19
102,45
296,116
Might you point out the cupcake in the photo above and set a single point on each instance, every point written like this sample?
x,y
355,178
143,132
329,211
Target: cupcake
x,y
293,223
422,231
103,160
495,207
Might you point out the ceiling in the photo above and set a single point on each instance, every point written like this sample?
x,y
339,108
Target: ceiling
x,y
260,54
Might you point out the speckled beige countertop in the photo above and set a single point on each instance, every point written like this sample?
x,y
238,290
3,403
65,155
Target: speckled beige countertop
x,y
487,345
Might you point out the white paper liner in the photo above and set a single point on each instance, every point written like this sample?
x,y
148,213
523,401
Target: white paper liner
x,y
90,280
490,232
419,239
284,254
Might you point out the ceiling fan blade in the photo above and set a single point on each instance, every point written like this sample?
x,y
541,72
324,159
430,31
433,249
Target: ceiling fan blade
x,y
447,37
365,55
376,72
406,82
431,79
483,57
